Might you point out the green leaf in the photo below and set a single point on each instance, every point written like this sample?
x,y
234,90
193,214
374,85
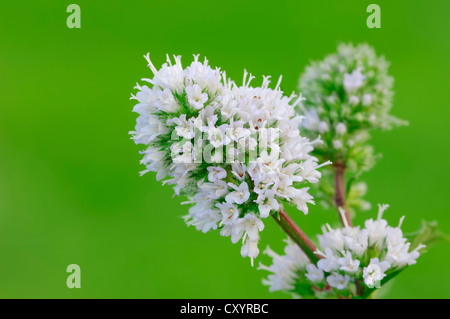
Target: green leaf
x,y
370,292
304,289
428,234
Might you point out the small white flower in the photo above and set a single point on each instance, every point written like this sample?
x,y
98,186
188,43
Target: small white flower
x,y
300,198
216,136
376,231
267,203
253,225
215,173
208,221
250,249
337,144
238,170
184,128
358,244
323,127
353,100
353,81
314,274
333,238
195,96
329,263
165,101
375,271
240,194
214,190
348,263
341,129
229,212
338,281
149,128
367,99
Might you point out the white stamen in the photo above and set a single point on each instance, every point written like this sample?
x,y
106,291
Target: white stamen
x,y
401,221
381,209
278,83
343,217
150,64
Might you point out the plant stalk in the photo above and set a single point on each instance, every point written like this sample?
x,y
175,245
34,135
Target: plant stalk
x,y
297,235
339,198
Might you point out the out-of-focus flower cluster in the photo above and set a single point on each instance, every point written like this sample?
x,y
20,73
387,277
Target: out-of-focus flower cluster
x,y
348,94
354,261
235,151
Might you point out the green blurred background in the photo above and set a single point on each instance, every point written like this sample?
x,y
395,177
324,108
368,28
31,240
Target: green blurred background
x,y
69,185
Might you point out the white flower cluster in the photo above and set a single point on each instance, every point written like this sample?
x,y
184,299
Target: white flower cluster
x,y
186,120
351,256
286,269
348,94
350,88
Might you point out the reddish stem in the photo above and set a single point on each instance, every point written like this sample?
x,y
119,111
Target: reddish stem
x,y
339,198
297,235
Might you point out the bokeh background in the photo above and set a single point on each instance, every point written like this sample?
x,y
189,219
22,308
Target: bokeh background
x,y
69,185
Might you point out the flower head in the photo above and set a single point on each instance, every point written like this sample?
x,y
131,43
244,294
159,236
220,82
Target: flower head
x,y
235,151
349,93
348,256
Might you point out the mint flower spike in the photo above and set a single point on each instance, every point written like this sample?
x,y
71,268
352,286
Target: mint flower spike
x,y
354,261
350,88
349,94
234,151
